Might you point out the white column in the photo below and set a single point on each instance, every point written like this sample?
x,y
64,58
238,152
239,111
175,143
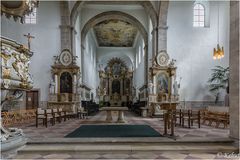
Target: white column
x,y
74,83
56,83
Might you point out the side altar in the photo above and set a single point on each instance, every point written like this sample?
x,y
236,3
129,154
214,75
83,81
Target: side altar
x,y
163,87
63,87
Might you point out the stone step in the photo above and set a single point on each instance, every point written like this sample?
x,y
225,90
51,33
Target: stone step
x,y
148,140
57,148
81,145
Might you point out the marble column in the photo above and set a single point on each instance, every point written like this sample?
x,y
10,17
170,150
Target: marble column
x,y
154,43
146,65
82,63
74,83
162,38
56,83
162,26
65,27
234,69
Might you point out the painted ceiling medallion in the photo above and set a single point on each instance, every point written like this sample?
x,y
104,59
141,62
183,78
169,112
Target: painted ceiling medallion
x,y
66,58
115,33
162,58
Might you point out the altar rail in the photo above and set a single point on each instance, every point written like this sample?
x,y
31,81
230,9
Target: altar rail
x,y
18,117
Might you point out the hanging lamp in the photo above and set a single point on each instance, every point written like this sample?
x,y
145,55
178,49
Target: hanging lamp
x,y
218,52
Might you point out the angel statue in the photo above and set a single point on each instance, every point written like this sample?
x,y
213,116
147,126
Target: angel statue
x,y
150,87
176,86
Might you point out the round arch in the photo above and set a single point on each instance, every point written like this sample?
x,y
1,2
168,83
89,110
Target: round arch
x,y
120,16
114,15
147,5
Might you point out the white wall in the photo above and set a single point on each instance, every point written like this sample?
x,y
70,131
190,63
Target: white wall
x,y
193,47
77,41
139,74
89,63
45,45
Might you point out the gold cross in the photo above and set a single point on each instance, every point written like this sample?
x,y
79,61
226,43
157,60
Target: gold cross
x,y
29,37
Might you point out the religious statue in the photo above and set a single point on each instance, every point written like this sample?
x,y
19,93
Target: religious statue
x,y
51,87
104,91
176,86
29,37
150,87
172,63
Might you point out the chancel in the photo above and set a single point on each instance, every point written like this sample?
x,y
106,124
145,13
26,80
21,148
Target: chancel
x,y
119,79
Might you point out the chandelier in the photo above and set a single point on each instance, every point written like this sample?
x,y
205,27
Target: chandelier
x,y
218,52
18,9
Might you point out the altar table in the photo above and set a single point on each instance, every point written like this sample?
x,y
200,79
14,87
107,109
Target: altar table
x,y
109,113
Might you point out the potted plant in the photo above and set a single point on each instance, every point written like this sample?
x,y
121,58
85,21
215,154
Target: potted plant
x,y
219,80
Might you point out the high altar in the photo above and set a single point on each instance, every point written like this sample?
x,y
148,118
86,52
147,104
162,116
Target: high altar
x,y
115,83
63,86
163,88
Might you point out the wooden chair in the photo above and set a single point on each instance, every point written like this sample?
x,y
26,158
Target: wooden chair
x,y
62,113
71,114
222,118
49,116
190,116
40,114
56,115
82,113
195,116
178,115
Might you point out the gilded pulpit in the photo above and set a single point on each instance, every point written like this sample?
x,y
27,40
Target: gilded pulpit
x,y
15,79
63,86
162,86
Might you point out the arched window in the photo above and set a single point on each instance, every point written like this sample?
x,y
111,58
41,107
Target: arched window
x,y
32,17
198,15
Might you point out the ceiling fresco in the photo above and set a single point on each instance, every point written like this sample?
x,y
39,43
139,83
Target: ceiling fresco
x,y
115,33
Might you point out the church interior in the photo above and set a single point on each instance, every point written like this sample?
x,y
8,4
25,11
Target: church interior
x,y
120,79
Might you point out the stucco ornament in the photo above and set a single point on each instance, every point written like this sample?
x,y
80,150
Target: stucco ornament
x,y
66,58
162,58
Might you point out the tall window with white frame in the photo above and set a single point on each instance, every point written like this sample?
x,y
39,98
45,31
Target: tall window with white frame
x,y
198,15
32,17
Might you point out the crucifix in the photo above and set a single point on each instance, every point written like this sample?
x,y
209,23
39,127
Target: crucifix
x,y
29,37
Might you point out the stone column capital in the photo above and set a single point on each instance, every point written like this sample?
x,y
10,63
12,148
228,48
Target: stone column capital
x,y
162,27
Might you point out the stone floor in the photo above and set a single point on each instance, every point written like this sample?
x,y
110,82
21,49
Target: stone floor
x,y
59,130
133,155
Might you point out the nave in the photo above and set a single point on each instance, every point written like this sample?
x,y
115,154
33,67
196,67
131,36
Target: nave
x,y
57,132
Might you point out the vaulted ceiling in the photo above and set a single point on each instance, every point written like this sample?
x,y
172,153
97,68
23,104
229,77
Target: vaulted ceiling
x,y
115,33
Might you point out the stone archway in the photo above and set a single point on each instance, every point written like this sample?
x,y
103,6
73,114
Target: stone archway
x,y
114,15
147,5
124,17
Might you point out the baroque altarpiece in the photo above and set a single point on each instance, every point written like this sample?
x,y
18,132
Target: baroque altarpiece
x,y
63,87
115,83
163,88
